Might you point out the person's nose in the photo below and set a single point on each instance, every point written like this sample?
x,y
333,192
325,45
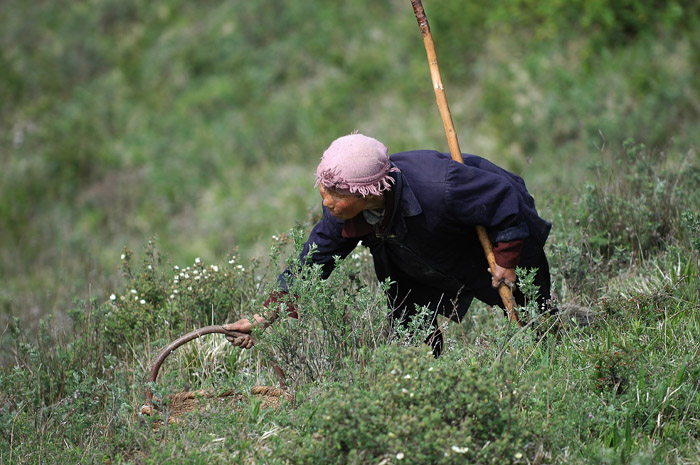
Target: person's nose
x,y
327,199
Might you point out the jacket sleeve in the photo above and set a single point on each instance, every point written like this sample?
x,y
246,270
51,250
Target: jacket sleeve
x,y
476,196
327,234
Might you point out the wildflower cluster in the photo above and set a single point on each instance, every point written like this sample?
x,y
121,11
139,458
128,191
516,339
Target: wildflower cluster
x,y
159,300
646,307
208,293
613,368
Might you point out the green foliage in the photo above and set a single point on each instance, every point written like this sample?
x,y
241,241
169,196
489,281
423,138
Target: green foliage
x,y
63,395
604,24
341,319
648,308
127,119
625,390
612,369
409,408
203,123
633,208
526,285
159,302
632,211
691,221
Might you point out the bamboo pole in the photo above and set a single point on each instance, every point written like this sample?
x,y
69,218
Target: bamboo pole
x,y
503,289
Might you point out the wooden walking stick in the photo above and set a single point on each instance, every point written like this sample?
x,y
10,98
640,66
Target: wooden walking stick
x,y
503,289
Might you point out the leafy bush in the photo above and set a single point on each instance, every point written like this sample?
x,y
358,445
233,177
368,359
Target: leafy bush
x,y
691,221
631,212
407,407
161,302
342,319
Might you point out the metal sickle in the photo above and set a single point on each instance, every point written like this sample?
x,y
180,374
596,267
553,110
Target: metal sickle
x,y
167,350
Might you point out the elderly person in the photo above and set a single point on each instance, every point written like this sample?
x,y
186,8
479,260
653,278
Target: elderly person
x,y
416,212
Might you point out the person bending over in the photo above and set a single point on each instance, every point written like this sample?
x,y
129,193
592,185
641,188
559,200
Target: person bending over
x,y
417,212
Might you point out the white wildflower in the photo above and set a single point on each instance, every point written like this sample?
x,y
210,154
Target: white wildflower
x,y
150,267
172,296
112,297
215,268
407,377
123,256
134,291
176,267
400,456
197,260
460,450
518,455
142,302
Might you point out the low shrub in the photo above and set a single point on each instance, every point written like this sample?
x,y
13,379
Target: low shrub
x,y
631,211
407,407
341,318
160,301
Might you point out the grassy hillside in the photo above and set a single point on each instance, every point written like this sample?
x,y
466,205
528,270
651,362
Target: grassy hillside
x,y
201,124
157,165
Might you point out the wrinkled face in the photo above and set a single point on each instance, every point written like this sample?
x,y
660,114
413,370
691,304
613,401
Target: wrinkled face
x,y
342,206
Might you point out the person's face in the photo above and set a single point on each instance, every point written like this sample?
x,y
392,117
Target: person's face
x,y
342,206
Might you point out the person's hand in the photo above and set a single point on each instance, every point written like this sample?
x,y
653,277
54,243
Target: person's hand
x,y
502,275
244,325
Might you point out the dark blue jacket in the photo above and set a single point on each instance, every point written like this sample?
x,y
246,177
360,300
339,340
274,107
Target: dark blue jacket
x,y
432,238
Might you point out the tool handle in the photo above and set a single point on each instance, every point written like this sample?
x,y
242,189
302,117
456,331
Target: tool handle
x,y
439,88
167,350
456,153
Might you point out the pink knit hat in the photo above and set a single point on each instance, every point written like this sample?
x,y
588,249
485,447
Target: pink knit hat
x,y
355,164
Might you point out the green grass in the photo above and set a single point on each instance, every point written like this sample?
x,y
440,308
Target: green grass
x,y
132,119
625,389
145,141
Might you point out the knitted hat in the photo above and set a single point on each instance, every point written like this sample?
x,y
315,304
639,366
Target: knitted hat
x,y
355,164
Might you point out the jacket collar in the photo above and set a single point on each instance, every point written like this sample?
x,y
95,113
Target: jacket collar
x,y
409,202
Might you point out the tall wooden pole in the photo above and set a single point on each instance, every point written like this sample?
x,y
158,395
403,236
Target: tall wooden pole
x,y
503,289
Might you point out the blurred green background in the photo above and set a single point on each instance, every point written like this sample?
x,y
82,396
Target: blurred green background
x,y
201,123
